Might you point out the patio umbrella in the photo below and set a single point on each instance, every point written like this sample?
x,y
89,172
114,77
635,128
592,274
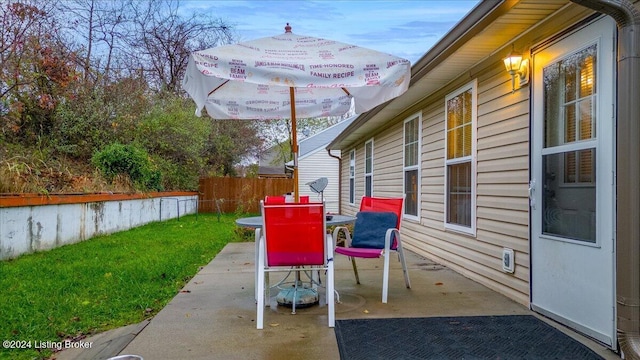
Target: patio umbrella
x,y
290,75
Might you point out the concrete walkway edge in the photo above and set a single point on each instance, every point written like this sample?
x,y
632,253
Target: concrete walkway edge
x,y
104,345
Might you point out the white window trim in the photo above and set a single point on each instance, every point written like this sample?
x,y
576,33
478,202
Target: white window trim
x,y
368,174
352,177
418,117
474,140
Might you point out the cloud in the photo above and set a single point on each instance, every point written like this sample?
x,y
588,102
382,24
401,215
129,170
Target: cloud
x,y
404,28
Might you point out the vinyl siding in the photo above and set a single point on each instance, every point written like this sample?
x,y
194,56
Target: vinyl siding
x,y
316,165
387,168
502,181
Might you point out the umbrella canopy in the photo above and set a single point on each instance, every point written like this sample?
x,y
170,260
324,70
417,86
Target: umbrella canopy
x,y
280,76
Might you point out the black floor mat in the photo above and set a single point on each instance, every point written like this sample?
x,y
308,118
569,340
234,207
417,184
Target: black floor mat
x,y
470,337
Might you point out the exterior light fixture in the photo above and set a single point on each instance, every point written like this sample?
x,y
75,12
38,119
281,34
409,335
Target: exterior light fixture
x,y
515,65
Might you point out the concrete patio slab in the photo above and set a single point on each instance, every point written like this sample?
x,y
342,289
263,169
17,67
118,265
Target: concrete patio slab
x,y
213,317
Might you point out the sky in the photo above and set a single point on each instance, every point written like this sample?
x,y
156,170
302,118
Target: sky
x,y
404,28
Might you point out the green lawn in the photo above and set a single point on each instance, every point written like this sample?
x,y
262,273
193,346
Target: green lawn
x,y
104,282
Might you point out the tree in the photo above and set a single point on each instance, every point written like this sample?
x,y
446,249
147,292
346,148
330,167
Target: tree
x,y
279,134
176,139
102,26
100,115
36,69
229,143
112,75
162,40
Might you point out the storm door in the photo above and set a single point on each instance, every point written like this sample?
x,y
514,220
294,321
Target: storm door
x,y
572,181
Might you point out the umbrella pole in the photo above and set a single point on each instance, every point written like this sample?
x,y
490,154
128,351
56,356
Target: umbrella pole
x,y
294,144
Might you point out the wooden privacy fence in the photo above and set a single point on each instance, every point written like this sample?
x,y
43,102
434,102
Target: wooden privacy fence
x,y
238,194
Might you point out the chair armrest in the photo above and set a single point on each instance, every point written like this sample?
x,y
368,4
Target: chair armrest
x,y
347,235
389,235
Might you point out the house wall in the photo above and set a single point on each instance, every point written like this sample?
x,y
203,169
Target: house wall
x,y
502,183
316,165
502,206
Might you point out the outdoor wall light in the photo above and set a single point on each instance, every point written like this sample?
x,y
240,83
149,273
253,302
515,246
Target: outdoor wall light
x,y
515,65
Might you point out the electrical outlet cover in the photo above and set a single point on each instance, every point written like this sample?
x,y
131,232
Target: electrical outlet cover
x,y
508,260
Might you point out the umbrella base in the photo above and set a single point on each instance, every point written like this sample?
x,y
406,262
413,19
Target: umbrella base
x,y
304,297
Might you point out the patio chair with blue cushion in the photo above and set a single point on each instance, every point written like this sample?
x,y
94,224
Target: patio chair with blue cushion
x,y
376,233
294,239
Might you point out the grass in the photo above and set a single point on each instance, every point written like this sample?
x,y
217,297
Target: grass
x,y
105,282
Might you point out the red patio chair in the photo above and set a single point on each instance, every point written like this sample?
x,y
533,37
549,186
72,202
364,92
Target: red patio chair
x,y
269,200
376,233
274,199
294,239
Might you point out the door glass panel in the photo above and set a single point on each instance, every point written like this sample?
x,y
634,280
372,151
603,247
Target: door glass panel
x,y
569,99
586,111
569,198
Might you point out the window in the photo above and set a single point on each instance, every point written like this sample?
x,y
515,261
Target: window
x,y
368,168
411,167
352,176
460,180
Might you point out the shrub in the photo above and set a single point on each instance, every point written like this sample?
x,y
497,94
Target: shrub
x,y
176,139
116,159
176,176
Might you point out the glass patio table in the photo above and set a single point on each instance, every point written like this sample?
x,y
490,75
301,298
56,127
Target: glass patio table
x,y
255,222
